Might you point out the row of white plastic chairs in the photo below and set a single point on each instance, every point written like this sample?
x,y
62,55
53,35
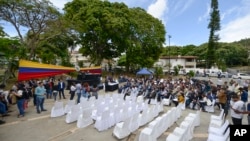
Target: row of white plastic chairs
x,y
160,124
87,110
131,124
218,129
186,129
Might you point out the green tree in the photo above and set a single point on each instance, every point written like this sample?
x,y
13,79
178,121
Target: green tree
x,y
214,26
11,51
147,35
158,72
35,16
101,27
187,50
106,30
2,33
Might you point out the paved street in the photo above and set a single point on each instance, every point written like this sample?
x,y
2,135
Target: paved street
x,y
41,127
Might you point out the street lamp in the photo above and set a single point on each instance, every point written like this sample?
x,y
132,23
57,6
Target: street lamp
x,y
169,36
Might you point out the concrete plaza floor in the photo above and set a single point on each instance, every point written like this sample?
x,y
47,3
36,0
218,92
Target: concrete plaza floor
x,y
41,127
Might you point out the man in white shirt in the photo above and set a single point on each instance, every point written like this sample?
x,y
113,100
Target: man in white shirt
x,y
237,106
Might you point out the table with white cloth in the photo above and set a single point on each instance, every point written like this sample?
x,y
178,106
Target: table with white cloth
x,y
112,86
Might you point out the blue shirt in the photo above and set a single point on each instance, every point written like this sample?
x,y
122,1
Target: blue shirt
x,y
40,91
244,96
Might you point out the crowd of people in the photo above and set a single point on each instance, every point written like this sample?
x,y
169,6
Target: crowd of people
x,y
194,93
37,91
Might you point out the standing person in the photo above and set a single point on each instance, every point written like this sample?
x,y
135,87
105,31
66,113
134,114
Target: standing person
x,y
86,90
72,91
51,86
222,97
40,91
243,94
78,91
245,112
20,96
95,91
245,85
237,107
61,87
55,91
219,83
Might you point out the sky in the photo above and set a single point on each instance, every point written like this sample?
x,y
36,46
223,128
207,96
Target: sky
x,y
186,21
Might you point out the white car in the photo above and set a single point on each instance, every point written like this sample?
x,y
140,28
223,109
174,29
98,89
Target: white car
x,y
241,76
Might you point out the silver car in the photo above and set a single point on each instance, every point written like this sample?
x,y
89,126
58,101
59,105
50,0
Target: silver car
x,y
241,76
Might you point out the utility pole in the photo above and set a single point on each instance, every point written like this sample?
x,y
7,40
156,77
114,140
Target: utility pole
x,y
169,36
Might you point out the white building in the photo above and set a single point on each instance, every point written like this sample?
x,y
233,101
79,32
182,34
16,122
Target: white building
x,y
185,62
77,57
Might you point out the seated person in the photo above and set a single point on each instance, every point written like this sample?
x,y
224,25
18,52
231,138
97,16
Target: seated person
x,y
203,102
180,99
195,99
127,92
3,111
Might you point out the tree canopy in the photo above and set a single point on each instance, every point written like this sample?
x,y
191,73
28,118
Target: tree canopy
x,y
106,30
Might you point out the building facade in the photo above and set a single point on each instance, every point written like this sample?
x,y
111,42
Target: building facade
x,y
184,62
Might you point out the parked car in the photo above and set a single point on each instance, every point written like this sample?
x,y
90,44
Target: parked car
x,y
213,73
241,76
226,75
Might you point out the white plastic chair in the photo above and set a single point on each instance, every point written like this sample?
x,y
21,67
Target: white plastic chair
x,y
178,111
173,137
173,116
121,129
166,120
83,99
157,122
140,99
180,132
190,129
216,123
166,101
85,119
210,109
149,134
73,114
153,101
125,113
186,126
98,111
224,137
143,118
103,122
160,107
68,106
57,110
218,117
134,124
196,116
220,130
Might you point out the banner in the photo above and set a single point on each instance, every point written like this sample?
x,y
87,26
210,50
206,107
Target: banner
x,y
34,70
